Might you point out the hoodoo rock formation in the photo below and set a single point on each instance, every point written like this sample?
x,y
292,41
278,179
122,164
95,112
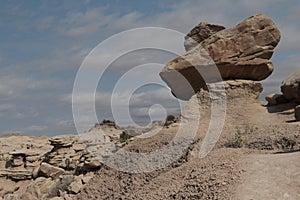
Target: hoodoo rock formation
x,y
241,52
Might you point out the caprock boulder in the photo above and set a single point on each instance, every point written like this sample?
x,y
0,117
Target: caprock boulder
x,y
241,52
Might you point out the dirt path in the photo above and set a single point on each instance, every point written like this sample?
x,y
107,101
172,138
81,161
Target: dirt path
x,y
270,176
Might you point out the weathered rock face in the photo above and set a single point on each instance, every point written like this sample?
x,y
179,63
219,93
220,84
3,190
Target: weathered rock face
x,y
47,170
112,131
236,91
48,166
22,155
70,154
242,52
290,87
200,33
57,167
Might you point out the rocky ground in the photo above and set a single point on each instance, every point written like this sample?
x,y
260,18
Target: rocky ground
x,y
57,167
243,165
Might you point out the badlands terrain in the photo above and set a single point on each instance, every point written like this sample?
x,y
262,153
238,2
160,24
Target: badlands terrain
x,y
256,155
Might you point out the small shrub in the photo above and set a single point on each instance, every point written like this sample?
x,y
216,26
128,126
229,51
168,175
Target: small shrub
x,y
124,137
239,139
170,118
249,129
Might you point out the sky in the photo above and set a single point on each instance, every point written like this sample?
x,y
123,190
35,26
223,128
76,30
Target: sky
x,y
43,44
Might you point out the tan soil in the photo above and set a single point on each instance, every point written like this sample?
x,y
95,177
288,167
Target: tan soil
x,y
270,176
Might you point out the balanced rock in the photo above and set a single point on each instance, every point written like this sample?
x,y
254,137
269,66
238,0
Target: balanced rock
x,y
242,52
290,87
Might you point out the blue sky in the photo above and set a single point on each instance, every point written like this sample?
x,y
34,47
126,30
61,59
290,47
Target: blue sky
x,y
44,42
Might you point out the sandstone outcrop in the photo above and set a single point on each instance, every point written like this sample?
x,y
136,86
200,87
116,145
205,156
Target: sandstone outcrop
x,y
290,87
21,154
241,52
53,168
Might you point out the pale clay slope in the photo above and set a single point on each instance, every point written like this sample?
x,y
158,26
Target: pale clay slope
x,y
275,176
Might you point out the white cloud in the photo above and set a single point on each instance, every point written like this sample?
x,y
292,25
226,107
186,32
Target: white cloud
x,y
66,124
17,87
44,24
36,128
7,107
290,40
92,21
6,92
140,105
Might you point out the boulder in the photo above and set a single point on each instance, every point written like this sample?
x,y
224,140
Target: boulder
x,y
85,179
242,52
65,181
275,99
290,87
43,188
297,113
47,170
76,186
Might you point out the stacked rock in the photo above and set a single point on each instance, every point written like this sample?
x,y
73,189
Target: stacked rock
x,y
217,54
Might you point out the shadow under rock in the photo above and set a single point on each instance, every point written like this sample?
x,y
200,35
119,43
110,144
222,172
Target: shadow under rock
x,y
291,121
288,151
281,108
